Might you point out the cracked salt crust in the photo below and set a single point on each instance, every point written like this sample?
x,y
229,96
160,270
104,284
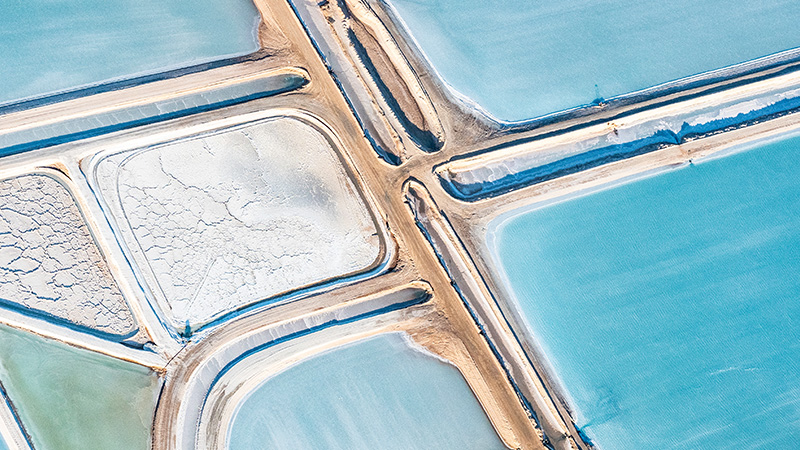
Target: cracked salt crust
x,y
223,220
49,262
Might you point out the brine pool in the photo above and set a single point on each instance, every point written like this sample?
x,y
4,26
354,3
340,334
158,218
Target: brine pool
x,y
375,393
669,307
522,60
53,46
70,398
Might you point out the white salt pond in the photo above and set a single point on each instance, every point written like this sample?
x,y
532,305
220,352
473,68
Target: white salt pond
x,y
380,392
69,398
49,47
49,263
522,60
218,221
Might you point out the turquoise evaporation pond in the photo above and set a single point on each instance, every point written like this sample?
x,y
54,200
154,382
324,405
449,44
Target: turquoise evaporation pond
x,y
669,307
48,46
521,60
70,398
375,393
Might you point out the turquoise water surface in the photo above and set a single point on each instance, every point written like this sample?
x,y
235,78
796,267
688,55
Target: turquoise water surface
x,y
375,393
69,398
521,60
669,307
47,46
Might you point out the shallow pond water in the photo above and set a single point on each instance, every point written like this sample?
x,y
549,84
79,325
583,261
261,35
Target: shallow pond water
x,y
70,398
376,393
668,307
521,60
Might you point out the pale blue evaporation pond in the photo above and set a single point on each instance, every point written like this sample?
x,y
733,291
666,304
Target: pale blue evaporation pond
x,y
669,307
521,60
375,393
48,46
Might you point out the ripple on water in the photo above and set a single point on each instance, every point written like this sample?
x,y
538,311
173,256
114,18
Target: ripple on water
x,y
668,306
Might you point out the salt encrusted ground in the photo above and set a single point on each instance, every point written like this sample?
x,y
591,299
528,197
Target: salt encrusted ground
x,y
49,261
223,220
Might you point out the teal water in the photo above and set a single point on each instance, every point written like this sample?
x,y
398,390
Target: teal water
x,y
521,60
70,398
47,46
669,307
375,393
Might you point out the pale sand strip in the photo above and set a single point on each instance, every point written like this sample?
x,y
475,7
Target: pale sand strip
x,y
385,139
491,173
12,124
487,315
10,429
364,14
620,171
145,357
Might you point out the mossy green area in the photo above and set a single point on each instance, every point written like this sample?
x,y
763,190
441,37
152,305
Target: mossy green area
x,y
71,398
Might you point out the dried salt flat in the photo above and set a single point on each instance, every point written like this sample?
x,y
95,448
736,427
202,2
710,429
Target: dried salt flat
x,y
220,221
49,262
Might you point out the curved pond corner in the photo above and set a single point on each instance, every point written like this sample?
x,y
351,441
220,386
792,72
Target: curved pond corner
x,y
522,60
379,392
223,220
51,265
667,306
70,398
62,46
